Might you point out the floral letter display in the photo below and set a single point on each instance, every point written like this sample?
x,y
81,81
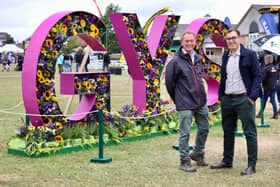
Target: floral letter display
x,y
145,59
38,86
216,30
95,88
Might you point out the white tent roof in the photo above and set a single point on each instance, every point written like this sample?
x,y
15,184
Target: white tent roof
x,y
11,48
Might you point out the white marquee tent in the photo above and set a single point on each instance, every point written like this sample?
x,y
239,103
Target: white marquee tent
x,y
11,48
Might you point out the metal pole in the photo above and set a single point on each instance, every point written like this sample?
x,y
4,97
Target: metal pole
x,y
100,158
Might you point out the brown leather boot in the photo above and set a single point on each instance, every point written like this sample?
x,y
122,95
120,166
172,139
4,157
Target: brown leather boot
x,y
199,158
187,166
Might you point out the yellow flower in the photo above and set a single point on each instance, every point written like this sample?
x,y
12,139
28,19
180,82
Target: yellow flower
x,y
69,17
150,109
83,22
218,78
158,90
59,139
156,82
54,98
46,120
75,32
211,28
78,85
203,59
54,30
213,67
41,80
199,37
149,66
58,125
93,28
88,85
117,114
150,95
93,34
130,30
55,53
205,26
99,104
64,28
31,128
47,82
49,42
39,73
48,95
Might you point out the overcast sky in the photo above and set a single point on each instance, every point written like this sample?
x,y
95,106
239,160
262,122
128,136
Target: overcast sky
x,y
20,18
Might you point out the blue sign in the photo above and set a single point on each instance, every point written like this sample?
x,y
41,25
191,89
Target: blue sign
x,y
268,24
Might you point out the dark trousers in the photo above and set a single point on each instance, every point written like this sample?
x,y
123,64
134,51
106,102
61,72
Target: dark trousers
x,y
232,110
271,95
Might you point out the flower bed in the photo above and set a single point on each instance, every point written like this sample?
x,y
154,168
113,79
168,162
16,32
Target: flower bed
x,y
124,125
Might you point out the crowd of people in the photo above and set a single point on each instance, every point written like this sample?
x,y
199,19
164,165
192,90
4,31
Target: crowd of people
x,y
65,60
244,79
9,58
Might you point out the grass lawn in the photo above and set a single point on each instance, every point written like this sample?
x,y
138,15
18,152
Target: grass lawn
x,y
152,162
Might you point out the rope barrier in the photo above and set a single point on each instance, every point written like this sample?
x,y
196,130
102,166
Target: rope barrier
x,y
57,115
6,111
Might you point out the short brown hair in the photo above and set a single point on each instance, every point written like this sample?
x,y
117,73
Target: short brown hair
x,y
233,30
268,59
188,32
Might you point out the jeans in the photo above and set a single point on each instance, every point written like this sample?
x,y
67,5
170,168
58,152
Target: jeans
x,y
278,90
202,122
67,66
270,94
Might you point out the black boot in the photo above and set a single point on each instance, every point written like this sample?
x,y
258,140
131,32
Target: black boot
x,y
186,165
275,116
199,158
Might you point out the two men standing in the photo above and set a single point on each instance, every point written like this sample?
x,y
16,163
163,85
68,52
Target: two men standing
x,y
239,88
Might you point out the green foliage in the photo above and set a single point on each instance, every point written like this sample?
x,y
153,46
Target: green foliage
x,y
9,39
70,44
113,45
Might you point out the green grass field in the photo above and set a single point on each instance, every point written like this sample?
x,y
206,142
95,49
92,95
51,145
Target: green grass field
x,y
152,162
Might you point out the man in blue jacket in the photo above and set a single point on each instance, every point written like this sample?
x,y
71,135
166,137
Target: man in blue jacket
x,y
184,84
239,88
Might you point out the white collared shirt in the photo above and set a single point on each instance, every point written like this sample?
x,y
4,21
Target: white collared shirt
x,y
192,54
234,82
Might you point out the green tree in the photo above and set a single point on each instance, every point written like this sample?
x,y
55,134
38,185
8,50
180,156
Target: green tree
x,y
70,44
112,43
9,39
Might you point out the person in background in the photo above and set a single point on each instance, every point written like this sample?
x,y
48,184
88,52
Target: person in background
x,y
4,61
277,63
269,81
67,62
59,62
184,84
238,90
78,58
19,62
106,61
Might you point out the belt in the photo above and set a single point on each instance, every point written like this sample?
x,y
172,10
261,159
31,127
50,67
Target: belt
x,y
236,95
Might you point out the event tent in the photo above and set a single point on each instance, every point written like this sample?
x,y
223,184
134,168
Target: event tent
x,y
11,48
